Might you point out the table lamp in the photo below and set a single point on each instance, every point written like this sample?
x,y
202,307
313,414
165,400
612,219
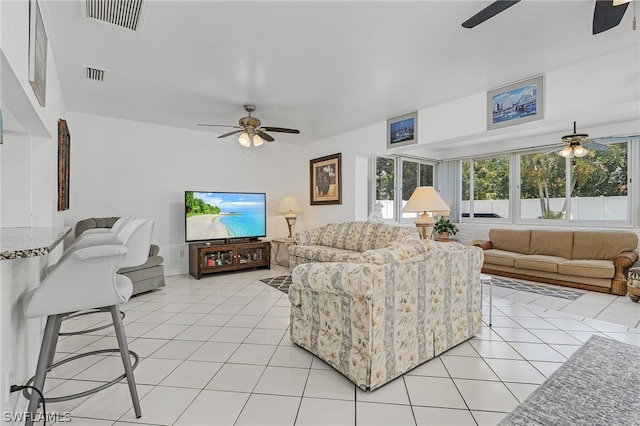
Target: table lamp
x,y
425,199
289,205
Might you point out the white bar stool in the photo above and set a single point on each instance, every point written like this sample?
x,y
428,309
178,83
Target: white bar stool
x,y
85,279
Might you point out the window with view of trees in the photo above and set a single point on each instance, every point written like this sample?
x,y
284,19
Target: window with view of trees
x,y
542,186
590,188
597,184
485,188
412,173
385,185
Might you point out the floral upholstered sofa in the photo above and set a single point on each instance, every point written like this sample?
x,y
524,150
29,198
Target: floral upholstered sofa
x,y
376,317
345,242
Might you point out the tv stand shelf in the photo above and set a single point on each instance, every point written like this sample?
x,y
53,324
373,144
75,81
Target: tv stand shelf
x,y
211,258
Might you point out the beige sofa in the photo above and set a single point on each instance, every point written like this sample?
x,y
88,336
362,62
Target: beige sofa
x,y
590,260
376,314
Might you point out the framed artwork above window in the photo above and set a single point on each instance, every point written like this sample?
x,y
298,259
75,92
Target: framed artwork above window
x,y
402,131
516,103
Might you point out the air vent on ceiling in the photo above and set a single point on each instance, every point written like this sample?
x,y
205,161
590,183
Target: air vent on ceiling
x,y
95,74
124,13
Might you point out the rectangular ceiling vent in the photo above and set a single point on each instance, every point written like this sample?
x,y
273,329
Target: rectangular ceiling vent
x,y
124,13
95,74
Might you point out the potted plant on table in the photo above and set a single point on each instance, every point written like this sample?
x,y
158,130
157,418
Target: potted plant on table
x,y
445,228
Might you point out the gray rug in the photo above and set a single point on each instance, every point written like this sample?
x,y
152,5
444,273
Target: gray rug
x,y
281,282
598,385
537,288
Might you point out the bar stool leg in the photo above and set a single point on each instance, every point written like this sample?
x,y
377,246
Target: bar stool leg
x,y
126,360
54,344
49,341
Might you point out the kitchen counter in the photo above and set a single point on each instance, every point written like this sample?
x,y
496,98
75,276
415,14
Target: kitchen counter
x,y
17,243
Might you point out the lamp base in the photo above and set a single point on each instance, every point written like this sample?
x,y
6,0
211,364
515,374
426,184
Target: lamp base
x,y
291,221
425,225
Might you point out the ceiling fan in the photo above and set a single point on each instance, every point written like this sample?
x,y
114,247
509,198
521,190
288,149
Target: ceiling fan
x,y
578,144
606,15
251,130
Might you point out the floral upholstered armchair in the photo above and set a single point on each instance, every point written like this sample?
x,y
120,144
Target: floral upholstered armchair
x,y
377,316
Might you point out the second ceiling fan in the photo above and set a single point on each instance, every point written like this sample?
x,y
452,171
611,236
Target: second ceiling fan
x,y
251,129
606,15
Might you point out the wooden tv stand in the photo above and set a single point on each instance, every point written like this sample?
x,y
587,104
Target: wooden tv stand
x,y
211,258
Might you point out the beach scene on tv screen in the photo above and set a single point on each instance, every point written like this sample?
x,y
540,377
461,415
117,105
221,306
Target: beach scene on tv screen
x,y
217,215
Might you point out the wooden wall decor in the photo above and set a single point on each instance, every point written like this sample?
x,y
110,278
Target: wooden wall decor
x,y
64,142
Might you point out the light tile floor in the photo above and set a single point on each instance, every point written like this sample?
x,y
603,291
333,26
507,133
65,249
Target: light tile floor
x,y
216,351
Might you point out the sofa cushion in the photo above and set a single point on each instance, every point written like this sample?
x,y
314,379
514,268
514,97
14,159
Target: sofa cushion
x,y
94,222
539,262
587,268
551,243
515,240
325,254
360,236
602,245
500,257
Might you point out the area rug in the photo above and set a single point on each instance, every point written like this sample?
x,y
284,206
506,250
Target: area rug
x,y
598,385
538,288
281,282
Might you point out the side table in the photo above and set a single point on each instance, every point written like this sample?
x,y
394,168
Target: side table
x,y
484,278
633,283
286,242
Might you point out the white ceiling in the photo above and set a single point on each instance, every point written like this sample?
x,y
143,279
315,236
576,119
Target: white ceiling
x,y
324,67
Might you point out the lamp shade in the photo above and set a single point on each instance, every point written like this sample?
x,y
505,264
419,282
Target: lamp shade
x,y
289,205
426,199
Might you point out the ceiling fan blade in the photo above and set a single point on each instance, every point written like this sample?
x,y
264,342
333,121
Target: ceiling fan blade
x,y
616,138
489,12
280,129
606,15
264,136
556,149
219,125
596,146
235,132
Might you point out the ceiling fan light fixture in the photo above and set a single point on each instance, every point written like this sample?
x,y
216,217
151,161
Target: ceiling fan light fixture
x,y
566,152
257,140
244,140
580,151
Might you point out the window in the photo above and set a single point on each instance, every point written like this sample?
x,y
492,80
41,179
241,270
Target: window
x,y
385,185
485,188
389,183
598,185
551,188
542,186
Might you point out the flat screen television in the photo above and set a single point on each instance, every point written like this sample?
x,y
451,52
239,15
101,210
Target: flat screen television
x,y
224,215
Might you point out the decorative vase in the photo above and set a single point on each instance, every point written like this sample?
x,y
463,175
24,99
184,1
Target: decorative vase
x,y
443,235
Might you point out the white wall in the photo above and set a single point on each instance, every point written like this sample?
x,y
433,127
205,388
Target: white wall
x,y
457,129
28,182
121,167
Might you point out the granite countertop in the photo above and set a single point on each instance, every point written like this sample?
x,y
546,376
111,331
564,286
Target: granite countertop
x,y
17,243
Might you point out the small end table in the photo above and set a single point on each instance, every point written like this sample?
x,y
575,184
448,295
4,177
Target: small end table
x,y
286,242
633,284
484,278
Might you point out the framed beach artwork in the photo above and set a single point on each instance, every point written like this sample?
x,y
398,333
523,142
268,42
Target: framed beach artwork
x,y
325,175
516,103
402,131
